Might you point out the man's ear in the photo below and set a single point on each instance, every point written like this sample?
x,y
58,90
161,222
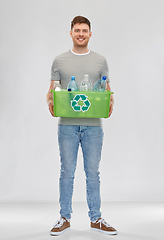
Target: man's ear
x,y
90,34
71,34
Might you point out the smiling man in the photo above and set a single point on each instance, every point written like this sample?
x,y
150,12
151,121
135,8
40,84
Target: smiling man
x,y
80,34
73,132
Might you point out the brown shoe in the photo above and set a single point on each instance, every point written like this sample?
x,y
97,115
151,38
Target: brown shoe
x,y
60,226
102,226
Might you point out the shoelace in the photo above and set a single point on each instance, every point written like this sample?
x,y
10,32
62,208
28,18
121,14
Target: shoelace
x,y
60,222
102,221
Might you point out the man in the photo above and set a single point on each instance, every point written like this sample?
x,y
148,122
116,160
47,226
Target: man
x,y
74,131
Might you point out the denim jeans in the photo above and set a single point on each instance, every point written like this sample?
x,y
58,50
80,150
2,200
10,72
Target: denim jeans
x,y
90,138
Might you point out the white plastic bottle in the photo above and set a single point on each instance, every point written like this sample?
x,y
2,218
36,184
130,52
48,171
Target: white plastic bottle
x,y
72,85
86,84
100,85
57,86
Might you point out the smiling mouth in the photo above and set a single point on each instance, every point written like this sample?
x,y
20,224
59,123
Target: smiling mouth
x,y
80,39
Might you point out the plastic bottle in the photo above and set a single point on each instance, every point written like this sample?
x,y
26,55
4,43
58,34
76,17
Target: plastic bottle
x,y
57,86
86,84
100,85
72,85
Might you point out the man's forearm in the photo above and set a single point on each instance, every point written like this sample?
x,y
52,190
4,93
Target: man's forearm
x,y
49,97
108,86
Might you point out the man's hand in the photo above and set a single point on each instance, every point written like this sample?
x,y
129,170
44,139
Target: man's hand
x,y
51,108
111,104
49,98
111,99
50,103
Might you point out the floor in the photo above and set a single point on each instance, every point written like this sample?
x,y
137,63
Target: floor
x,y
32,221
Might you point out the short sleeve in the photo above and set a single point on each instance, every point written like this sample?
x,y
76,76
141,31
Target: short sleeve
x,y
105,70
55,74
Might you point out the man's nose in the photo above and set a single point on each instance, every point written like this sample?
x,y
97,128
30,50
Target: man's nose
x,y
81,33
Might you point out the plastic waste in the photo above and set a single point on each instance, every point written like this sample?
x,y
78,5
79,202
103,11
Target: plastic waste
x,y
57,86
100,85
72,85
86,84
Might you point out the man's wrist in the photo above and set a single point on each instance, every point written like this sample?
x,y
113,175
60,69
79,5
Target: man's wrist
x,y
50,100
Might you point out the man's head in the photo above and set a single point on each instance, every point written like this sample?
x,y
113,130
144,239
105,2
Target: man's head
x,y
80,19
80,31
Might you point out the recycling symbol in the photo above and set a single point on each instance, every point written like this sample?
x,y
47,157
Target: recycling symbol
x,y
80,103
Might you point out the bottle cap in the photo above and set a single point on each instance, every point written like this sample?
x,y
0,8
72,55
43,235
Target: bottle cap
x,y
104,77
57,82
72,78
69,90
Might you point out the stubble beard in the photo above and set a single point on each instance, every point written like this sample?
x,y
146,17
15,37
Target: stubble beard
x,y
84,45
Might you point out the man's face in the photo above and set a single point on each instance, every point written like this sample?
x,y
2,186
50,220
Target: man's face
x,y
80,34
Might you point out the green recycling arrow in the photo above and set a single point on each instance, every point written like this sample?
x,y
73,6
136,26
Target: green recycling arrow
x,y
80,98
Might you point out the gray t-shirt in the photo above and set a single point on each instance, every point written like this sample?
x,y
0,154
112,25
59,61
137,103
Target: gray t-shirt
x,y
71,64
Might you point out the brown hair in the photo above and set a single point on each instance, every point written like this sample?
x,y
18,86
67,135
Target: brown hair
x,y
80,19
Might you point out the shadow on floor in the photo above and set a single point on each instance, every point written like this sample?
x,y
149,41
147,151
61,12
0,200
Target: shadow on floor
x,y
80,235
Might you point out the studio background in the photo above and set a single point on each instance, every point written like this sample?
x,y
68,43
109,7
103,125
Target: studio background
x,y
130,35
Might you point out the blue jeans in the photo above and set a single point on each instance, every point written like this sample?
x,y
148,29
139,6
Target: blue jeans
x,y
90,138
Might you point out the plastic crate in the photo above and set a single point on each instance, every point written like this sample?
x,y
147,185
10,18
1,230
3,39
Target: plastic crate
x,y
81,104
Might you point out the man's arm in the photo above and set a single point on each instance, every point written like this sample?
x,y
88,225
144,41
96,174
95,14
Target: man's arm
x,y
111,99
49,98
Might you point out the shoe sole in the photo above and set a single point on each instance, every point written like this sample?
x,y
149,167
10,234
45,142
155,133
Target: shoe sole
x,y
105,232
58,233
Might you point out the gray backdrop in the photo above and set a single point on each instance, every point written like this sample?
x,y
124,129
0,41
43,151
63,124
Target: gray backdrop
x,y
130,34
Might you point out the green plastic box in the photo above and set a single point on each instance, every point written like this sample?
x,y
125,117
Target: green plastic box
x,y
81,104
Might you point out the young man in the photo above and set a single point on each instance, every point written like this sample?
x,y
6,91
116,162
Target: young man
x,y
74,131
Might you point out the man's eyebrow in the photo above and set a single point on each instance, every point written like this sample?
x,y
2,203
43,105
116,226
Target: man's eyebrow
x,y
81,29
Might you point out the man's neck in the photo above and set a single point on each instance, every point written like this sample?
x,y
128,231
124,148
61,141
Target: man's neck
x,y
80,50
